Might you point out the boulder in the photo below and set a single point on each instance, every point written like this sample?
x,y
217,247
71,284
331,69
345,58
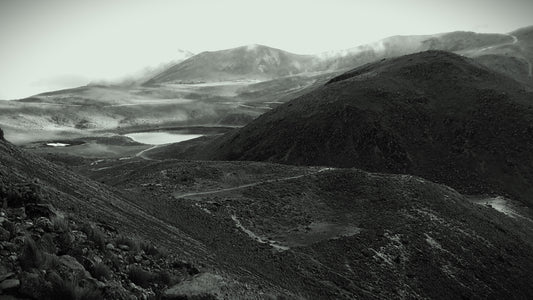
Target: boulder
x,y
73,267
9,284
6,276
44,223
202,285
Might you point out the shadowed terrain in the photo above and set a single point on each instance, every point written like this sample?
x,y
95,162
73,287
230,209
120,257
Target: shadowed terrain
x,y
432,114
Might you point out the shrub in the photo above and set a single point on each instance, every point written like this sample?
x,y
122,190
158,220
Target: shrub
x,y
31,256
94,234
87,293
60,224
100,271
148,248
63,289
164,277
66,289
140,277
65,241
46,243
51,261
131,243
114,261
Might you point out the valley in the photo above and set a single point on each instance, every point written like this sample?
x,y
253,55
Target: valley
x,y
399,169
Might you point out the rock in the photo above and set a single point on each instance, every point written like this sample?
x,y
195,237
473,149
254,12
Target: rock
x,y
74,266
193,271
9,284
124,247
13,258
4,234
138,258
6,276
2,219
18,212
205,284
109,246
79,235
44,223
35,210
2,135
9,246
97,259
70,262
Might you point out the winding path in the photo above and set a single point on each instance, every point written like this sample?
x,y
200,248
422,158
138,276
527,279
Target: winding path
x,y
141,153
515,40
176,195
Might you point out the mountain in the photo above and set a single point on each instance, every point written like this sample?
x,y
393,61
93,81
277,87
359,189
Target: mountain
x,y
253,230
433,114
325,233
252,62
501,52
525,42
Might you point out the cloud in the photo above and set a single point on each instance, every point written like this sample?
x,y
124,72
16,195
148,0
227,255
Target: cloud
x,y
61,81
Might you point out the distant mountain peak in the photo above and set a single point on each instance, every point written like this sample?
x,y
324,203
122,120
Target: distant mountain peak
x,y
252,47
183,54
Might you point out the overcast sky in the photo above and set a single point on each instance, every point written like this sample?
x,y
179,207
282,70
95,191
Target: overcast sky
x,y
53,44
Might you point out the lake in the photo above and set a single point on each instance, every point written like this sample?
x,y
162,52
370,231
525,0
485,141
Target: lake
x,y
160,138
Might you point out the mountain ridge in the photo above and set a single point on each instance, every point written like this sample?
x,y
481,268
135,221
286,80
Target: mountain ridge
x,y
467,43
402,115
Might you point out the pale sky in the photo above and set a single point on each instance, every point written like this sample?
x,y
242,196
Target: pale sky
x,y
53,44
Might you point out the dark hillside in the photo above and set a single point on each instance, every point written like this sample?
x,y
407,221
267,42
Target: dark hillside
x,y
433,114
339,233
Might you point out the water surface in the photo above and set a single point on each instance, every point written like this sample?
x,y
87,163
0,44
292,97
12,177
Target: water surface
x,y
160,137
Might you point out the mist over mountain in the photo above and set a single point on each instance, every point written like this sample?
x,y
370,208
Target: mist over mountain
x,y
252,62
506,53
400,169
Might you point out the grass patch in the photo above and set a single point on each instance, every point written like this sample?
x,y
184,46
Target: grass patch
x,y
94,234
133,244
60,224
51,261
31,256
66,289
100,271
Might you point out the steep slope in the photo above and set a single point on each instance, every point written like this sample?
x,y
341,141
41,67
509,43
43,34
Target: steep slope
x,y
88,199
525,41
242,63
58,225
433,114
338,233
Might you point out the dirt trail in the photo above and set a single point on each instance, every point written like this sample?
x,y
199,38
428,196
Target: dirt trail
x,y
515,40
530,65
141,153
176,195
